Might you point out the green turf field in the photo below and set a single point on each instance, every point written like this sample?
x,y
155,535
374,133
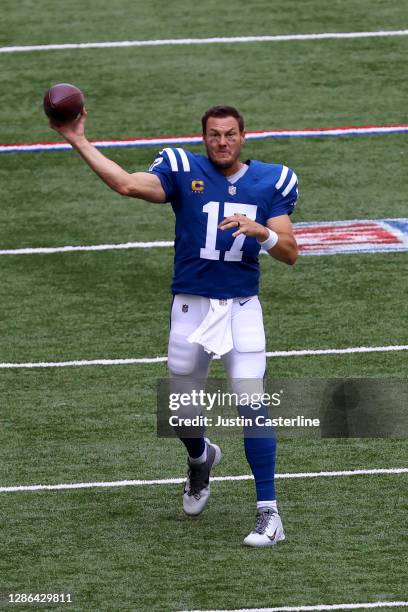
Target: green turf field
x,y
131,548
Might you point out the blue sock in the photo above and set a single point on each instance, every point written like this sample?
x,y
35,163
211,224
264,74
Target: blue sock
x,y
260,453
195,447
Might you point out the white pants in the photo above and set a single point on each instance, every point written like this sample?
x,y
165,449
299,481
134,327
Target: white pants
x,y
245,360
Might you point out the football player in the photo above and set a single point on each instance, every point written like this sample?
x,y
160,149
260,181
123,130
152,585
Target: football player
x,y
226,211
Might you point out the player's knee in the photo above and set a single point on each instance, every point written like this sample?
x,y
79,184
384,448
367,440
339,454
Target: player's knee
x,y
248,387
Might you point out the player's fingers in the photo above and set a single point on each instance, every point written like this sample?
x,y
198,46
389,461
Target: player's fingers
x,y
226,220
238,232
224,226
234,219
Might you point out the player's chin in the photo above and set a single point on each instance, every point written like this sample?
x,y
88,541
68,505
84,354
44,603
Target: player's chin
x,y
223,162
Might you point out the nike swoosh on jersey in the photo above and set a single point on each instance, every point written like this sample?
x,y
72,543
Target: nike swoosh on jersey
x,y
242,303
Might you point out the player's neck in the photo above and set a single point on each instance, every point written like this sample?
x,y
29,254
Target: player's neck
x,y
232,169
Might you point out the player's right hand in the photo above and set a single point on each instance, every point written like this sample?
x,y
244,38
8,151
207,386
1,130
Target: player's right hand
x,y
72,131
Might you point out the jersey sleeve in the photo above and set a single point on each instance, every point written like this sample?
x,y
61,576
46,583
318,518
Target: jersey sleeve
x,y
161,166
169,165
286,193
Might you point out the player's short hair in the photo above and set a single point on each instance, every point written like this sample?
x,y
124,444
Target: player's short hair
x,y
221,112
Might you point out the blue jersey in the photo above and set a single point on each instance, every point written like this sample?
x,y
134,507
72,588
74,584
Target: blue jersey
x,y
209,261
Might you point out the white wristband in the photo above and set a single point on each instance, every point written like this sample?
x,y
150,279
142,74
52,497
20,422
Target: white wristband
x,y
271,241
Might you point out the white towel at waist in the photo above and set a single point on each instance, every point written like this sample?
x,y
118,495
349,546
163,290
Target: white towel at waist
x,y
214,333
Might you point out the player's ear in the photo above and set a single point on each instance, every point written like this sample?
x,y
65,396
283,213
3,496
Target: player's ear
x,y
242,137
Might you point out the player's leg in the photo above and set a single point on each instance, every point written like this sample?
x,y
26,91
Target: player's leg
x,y
245,366
188,367
188,363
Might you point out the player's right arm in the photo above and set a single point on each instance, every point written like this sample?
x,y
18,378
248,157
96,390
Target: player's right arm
x,y
143,185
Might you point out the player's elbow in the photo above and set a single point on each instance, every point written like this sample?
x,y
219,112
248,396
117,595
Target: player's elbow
x,y
125,189
292,255
292,259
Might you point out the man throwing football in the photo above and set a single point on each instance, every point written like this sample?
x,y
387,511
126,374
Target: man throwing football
x,y
226,211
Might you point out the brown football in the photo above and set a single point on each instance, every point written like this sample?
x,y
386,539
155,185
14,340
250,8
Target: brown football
x,y
63,102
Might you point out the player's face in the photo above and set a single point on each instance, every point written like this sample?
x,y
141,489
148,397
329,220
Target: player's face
x,y
223,141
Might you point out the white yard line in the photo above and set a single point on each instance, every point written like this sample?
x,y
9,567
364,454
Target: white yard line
x,y
95,247
82,362
170,481
145,360
202,41
318,607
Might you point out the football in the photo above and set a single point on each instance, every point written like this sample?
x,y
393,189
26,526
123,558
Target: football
x,y
63,102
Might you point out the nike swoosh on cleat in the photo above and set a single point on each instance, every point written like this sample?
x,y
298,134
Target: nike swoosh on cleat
x,y
272,537
242,303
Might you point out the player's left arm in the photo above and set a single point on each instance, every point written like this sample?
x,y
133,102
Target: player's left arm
x,y
285,247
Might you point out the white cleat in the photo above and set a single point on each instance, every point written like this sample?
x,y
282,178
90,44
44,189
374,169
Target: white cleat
x,y
268,530
197,487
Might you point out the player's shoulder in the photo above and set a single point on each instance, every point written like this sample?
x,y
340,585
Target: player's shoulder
x,y
271,170
280,176
177,159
